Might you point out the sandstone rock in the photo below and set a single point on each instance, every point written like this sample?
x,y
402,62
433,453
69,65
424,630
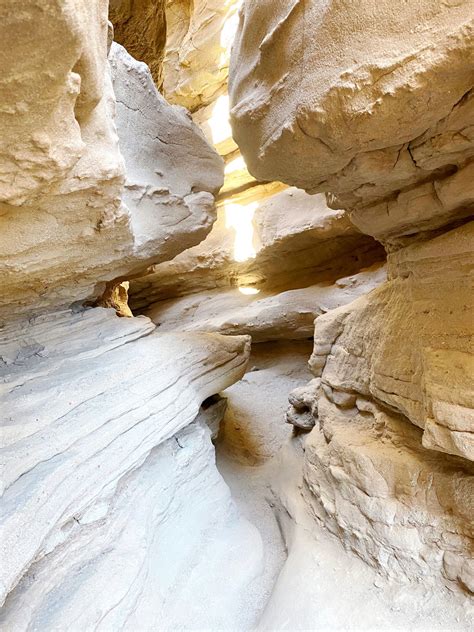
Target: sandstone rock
x,y
323,585
140,27
196,63
295,236
287,315
408,344
159,144
378,113
60,154
114,514
420,209
141,550
82,421
63,161
333,98
302,411
399,506
397,355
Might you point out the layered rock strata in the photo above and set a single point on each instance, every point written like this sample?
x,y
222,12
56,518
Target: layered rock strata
x,y
78,455
296,239
199,39
267,316
102,461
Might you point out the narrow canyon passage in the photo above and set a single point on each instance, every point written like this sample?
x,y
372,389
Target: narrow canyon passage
x,y
307,581
236,315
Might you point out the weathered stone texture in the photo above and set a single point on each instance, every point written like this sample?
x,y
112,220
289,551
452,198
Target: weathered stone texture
x,y
140,27
297,240
196,64
372,104
71,217
360,100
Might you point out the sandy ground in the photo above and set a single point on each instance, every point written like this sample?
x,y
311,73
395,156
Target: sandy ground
x,y
309,581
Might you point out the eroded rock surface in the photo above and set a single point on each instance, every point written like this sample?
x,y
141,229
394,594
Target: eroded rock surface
x,y
352,99
296,237
82,422
102,461
172,172
406,346
68,223
196,64
267,316
377,112
140,27
114,515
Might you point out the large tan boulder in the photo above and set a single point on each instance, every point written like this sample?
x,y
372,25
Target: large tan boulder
x,y
359,98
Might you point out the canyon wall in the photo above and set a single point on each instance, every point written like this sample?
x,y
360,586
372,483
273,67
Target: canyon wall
x,y
380,119
103,453
80,201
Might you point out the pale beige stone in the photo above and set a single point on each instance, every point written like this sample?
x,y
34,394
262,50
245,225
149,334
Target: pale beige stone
x,y
402,508
295,237
199,38
81,419
71,219
326,97
408,345
265,316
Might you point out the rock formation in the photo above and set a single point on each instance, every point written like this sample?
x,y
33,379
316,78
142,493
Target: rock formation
x,y
385,112
333,223
287,315
199,37
100,177
84,435
64,161
295,238
379,118
140,27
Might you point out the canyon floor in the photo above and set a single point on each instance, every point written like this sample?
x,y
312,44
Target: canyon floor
x,y
309,581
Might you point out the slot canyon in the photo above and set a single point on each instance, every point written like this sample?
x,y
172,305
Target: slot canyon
x,y
237,315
